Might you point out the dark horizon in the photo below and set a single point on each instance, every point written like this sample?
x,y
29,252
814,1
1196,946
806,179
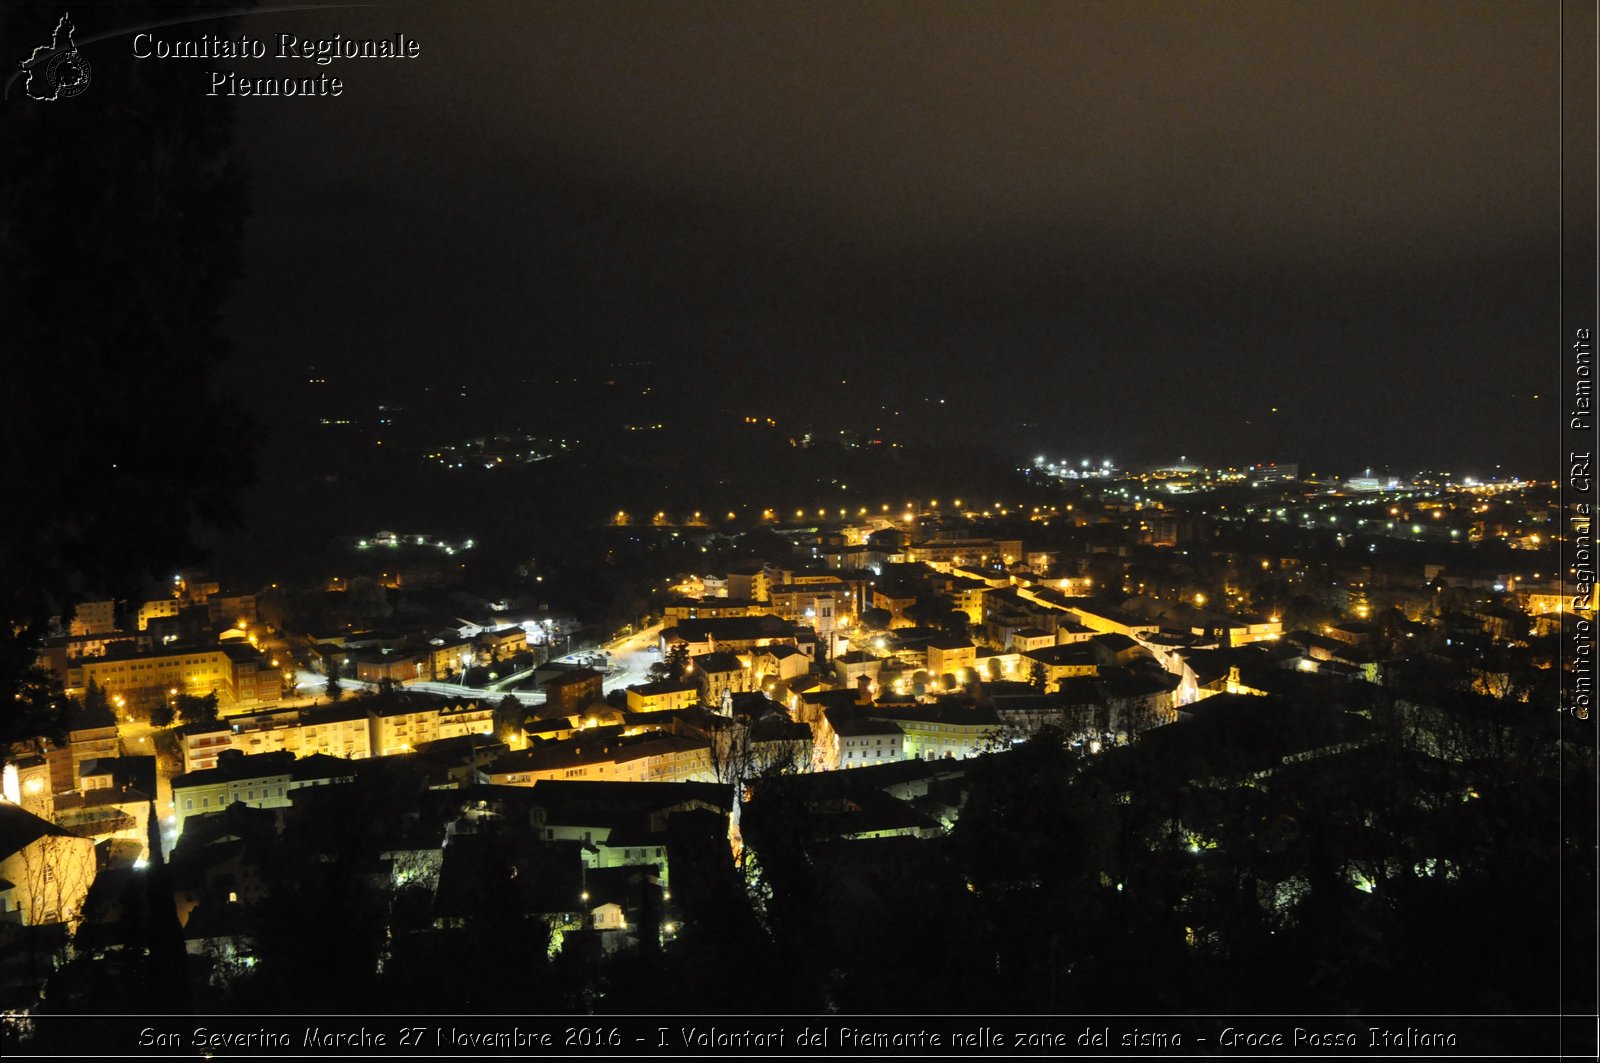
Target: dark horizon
x,y
1323,235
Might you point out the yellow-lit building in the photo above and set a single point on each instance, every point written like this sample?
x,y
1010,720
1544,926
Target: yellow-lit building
x,y
26,781
753,583
1540,603
118,816
652,757
847,741
338,731
401,728
507,642
895,604
851,667
451,658
259,781
160,607
681,609
988,577
45,870
943,730
778,662
378,666
237,673
948,656
94,618
722,673
1061,662
1110,622
949,552
1028,639
967,596
664,695
1247,629
351,731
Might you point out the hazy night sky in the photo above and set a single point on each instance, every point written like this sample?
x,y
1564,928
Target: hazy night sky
x,y
1120,228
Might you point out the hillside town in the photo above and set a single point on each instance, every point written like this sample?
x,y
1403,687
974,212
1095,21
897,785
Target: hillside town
x,y
480,764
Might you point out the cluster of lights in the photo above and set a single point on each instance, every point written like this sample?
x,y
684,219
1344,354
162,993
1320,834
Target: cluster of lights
x,y
1085,469
498,451
394,542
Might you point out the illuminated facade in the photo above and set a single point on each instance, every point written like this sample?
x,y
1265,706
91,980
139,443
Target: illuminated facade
x,y
45,871
350,731
681,609
451,658
858,743
950,656
722,673
667,694
944,730
260,781
1061,662
967,551
401,728
653,757
237,673
1028,639
94,618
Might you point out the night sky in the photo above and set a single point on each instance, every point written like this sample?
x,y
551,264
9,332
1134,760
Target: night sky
x,y
1116,229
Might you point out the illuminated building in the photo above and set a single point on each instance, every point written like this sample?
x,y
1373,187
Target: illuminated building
x,y
778,662
721,673
237,673
967,596
623,825
1273,473
734,634
26,781
401,728
261,780
506,642
1061,662
967,551
117,817
376,666
895,603
949,656
803,601
947,728
681,609
606,757
451,657
664,695
749,580
350,730
846,740
94,618
1025,640
1110,621
855,665
45,871
571,691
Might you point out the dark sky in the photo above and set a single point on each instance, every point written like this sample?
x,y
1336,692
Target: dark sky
x,y
1123,228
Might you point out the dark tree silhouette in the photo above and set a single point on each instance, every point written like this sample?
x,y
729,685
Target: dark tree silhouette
x,y
194,708
121,216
